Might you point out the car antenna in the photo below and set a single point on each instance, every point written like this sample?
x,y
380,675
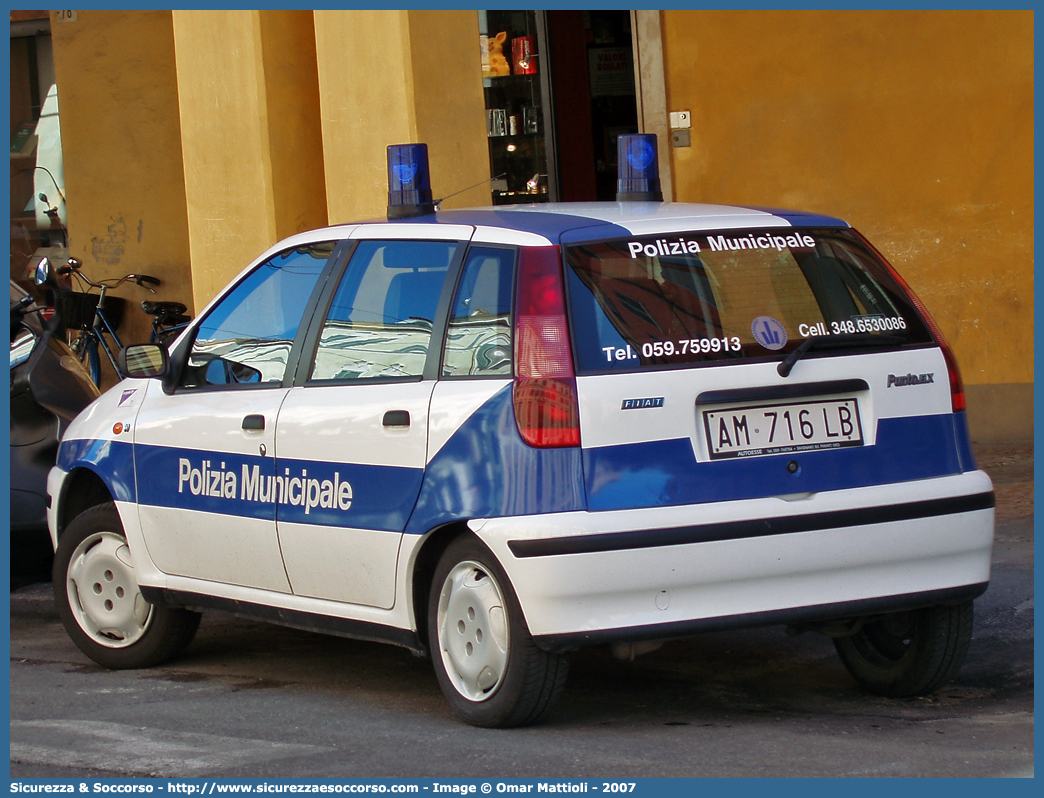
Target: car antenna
x,y
439,202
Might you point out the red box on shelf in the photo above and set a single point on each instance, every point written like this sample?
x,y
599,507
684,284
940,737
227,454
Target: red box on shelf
x,y
523,55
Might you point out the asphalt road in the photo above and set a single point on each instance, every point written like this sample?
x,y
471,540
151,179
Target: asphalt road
x,y
249,700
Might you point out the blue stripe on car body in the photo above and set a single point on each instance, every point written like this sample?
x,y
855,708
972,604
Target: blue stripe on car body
x,y
112,461
485,470
963,438
802,218
294,491
666,472
552,226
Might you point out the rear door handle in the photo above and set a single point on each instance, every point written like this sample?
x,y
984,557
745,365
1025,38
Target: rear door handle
x,y
254,422
397,418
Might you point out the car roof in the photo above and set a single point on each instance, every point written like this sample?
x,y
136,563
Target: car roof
x,y
574,222
565,222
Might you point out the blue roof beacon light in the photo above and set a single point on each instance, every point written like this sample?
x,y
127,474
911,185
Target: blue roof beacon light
x,y
638,172
409,181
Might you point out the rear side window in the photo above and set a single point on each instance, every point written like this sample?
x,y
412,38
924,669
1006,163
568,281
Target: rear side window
x,y
709,297
478,337
380,321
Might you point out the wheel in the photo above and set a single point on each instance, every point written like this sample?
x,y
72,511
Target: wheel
x,y
94,364
100,604
908,653
87,350
489,668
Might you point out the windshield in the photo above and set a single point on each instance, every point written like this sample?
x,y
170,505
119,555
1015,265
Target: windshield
x,y
702,297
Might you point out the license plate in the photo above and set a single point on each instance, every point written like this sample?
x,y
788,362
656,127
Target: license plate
x,y
783,428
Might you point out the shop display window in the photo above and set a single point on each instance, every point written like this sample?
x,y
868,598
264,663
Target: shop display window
x,y
515,87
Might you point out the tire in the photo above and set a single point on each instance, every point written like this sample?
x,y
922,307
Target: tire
x,y
489,668
100,604
94,364
907,654
87,351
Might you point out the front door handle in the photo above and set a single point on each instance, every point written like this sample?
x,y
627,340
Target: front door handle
x,y
254,422
397,418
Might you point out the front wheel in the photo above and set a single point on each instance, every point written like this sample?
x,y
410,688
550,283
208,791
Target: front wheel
x,y
906,654
100,604
86,349
489,668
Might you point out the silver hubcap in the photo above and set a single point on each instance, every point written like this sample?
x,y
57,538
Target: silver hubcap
x,y
103,592
473,631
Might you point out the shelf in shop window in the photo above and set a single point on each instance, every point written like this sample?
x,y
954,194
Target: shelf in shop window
x,y
519,197
488,81
516,136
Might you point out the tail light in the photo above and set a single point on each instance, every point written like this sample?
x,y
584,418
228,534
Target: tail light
x,y
956,384
546,409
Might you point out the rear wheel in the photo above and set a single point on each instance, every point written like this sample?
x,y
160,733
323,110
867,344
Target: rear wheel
x,y
911,653
100,604
489,668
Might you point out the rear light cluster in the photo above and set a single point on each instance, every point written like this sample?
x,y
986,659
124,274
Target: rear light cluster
x,y
546,409
956,384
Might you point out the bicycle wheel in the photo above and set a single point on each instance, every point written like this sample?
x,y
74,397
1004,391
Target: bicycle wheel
x,y
86,349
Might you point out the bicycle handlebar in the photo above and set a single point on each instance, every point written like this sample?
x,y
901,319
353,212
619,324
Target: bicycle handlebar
x,y
143,280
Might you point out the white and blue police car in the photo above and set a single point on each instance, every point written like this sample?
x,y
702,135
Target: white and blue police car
x,y
497,435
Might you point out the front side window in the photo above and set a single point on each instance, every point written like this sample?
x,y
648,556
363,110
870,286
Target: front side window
x,y
694,297
478,338
380,321
248,336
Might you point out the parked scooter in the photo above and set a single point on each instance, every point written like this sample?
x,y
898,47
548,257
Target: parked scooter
x,y
49,388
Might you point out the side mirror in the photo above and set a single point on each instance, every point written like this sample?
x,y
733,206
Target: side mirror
x,y
45,274
142,361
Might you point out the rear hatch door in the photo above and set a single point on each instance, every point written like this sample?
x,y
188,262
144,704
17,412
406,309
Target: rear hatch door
x,y
716,366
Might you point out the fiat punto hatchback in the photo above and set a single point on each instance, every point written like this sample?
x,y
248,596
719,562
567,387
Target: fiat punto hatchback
x,y
497,435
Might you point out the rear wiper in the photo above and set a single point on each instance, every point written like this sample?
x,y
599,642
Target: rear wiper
x,y
840,341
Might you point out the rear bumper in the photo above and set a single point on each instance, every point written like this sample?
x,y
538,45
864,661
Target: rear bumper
x,y
791,616
673,571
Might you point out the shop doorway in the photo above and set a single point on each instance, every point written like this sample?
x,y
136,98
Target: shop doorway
x,y
593,91
559,89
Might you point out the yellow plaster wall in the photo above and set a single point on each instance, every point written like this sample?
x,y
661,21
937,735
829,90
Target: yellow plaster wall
x,y
450,107
121,146
228,171
914,126
396,77
294,129
253,158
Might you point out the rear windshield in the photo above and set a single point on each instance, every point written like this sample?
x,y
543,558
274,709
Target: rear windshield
x,y
692,298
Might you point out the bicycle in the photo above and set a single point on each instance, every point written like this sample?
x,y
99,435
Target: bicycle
x,y
95,318
169,319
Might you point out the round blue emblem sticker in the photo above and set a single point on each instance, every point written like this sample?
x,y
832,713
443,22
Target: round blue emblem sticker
x,y
769,333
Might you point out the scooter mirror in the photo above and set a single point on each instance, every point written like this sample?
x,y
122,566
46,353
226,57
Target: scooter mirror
x,y
45,274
